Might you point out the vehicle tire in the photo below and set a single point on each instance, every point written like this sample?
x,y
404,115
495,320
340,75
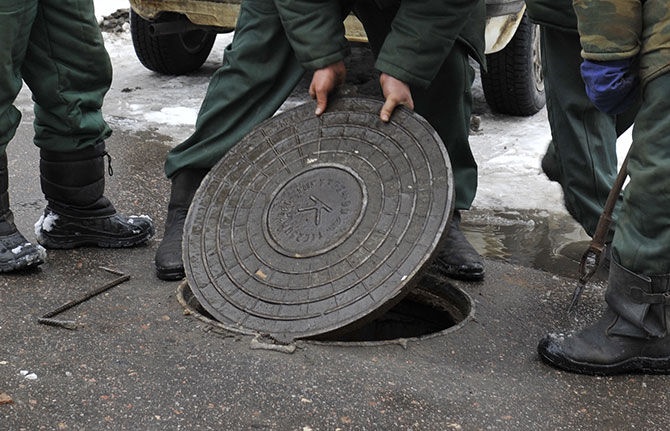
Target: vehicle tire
x,y
514,83
170,54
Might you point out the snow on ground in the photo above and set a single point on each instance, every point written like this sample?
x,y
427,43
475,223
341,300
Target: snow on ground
x,y
507,149
106,7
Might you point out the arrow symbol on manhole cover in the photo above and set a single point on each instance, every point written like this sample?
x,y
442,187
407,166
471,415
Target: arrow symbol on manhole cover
x,y
318,207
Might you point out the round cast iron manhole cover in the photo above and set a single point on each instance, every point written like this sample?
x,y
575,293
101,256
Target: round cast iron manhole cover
x,y
315,224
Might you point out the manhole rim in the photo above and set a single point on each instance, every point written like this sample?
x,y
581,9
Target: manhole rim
x,y
189,310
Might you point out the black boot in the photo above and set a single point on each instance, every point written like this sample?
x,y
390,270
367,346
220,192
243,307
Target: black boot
x,y
169,265
550,165
457,258
631,337
16,252
77,213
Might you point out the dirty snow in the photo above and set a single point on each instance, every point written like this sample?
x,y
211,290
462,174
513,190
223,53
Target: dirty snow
x,y
133,218
28,375
17,249
508,149
45,223
106,7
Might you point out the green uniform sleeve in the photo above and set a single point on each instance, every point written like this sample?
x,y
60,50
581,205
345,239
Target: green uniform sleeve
x,y
315,31
609,29
422,35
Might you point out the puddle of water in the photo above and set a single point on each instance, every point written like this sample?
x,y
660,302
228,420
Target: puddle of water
x,y
541,240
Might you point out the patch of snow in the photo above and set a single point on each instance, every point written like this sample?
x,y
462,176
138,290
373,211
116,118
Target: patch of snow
x,y
42,252
143,216
106,7
45,223
175,116
17,249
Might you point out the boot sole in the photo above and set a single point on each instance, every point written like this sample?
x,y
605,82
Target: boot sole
x,y
65,243
170,274
629,366
25,263
451,272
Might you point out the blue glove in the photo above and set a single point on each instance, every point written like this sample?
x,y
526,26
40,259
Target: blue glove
x,y
612,86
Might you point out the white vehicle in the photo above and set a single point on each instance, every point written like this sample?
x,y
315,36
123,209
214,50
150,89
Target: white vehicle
x,y
176,36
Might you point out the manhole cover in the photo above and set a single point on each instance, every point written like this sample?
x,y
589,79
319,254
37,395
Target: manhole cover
x,y
312,224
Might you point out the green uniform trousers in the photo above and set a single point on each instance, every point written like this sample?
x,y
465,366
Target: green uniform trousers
x,y
56,47
583,138
260,71
642,239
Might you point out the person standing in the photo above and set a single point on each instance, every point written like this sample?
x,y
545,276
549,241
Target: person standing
x,y
421,50
626,48
56,48
581,156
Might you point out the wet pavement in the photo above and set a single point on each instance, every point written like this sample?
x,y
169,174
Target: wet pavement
x,y
140,360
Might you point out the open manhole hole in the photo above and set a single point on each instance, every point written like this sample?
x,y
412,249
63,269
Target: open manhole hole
x,y
431,309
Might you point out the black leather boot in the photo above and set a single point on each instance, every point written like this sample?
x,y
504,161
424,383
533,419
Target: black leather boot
x,y
457,258
168,260
77,213
16,252
631,337
550,165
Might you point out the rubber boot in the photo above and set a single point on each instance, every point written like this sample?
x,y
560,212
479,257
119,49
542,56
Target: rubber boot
x,y
168,260
16,252
77,213
631,336
457,258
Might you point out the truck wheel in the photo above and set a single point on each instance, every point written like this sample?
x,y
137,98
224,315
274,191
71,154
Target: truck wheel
x,y
170,54
514,83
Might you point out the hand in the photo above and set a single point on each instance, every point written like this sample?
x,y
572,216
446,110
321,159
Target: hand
x,y
324,82
396,92
613,86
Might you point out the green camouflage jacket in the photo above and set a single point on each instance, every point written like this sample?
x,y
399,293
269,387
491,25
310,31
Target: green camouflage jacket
x,y
422,34
620,29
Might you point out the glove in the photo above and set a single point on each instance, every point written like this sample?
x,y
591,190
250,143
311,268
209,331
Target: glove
x,y
612,86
